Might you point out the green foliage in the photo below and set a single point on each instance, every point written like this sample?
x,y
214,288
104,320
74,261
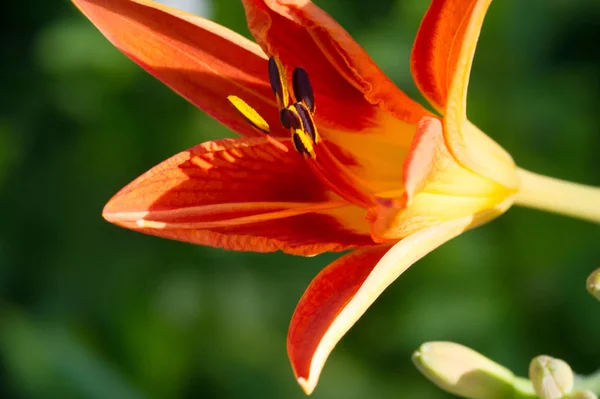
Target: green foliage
x,y
88,310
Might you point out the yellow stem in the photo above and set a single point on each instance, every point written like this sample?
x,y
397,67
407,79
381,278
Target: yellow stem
x,y
559,196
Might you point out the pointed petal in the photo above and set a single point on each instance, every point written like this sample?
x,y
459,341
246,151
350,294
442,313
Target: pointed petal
x,y
199,59
343,291
441,65
437,47
469,145
348,84
241,194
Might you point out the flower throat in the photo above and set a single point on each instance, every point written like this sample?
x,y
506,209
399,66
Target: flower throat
x,y
298,118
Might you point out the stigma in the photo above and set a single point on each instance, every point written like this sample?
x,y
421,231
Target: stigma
x,y
296,114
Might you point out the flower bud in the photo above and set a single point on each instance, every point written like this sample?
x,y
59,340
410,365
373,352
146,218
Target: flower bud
x,y
462,371
593,284
583,395
551,378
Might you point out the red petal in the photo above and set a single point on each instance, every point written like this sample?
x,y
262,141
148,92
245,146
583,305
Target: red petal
x,y
199,59
441,64
437,47
344,290
348,84
242,194
326,295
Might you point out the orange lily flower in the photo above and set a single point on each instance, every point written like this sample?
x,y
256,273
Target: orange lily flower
x,y
340,159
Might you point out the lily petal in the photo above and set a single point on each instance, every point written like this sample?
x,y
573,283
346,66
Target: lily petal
x,y
437,47
242,194
441,65
343,291
348,84
199,59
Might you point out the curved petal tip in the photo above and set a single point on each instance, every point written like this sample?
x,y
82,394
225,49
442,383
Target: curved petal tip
x,y
307,386
343,291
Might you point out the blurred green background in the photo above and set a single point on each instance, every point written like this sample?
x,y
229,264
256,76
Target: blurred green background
x,y
89,310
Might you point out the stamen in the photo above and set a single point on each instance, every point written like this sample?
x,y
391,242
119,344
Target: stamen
x,y
255,120
303,90
303,144
278,80
308,122
290,119
249,114
304,133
